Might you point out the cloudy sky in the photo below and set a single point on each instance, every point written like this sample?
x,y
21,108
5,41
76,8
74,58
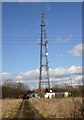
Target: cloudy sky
x,y
21,33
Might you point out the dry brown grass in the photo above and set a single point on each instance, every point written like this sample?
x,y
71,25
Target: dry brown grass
x,y
10,107
0,108
58,108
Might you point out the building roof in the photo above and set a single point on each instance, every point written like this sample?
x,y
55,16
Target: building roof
x,y
42,90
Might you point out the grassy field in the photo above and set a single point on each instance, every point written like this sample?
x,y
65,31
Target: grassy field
x,y
58,108
49,108
0,108
10,107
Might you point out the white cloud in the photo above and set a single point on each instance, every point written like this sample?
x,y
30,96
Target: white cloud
x,y
19,76
78,50
59,76
7,75
63,39
4,73
80,77
19,81
75,69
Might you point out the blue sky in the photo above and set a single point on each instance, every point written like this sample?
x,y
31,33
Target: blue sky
x,y
42,0
21,32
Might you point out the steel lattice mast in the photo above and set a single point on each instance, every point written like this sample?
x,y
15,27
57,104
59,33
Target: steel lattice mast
x,y
44,68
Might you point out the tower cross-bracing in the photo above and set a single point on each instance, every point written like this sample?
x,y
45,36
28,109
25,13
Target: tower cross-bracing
x,y
44,68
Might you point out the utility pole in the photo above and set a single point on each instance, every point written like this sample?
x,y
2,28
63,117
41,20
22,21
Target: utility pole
x,y
44,68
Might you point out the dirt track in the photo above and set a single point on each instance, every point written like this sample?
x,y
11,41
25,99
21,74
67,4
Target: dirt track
x,y
28,111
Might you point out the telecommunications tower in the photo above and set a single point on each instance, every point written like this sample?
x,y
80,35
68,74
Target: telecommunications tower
x,y
44,68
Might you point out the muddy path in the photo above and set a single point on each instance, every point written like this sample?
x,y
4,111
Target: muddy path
x,y
28,111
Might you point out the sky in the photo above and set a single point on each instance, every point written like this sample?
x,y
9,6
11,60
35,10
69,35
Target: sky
x,y
42,0
21,35
0,37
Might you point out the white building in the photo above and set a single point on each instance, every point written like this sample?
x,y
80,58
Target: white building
x,y
66,94
50,94
57,94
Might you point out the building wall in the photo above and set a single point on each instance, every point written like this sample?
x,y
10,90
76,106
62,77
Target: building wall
x,y
50,95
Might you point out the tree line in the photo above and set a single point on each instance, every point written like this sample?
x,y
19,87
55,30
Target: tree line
x,y
75,91
11,89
